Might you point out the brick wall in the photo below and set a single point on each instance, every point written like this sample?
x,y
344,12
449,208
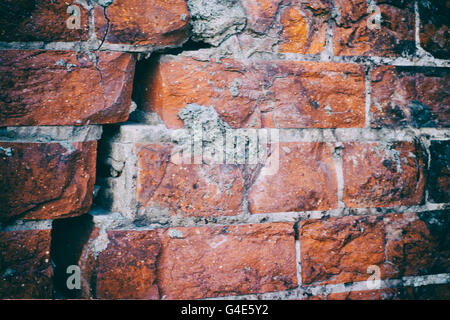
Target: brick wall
x,y
187,149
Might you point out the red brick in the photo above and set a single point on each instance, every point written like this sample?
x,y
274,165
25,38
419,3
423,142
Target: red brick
x,y
25,269
136,22
64,88
383,174
306,180
410,96
261,13
434,27
417,244
127,267
439,172
274,94
188,189
46,180
40,20
302,26
354,34
221,261
340,250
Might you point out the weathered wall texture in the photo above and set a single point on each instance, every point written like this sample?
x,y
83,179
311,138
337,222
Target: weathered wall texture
x,y
349,101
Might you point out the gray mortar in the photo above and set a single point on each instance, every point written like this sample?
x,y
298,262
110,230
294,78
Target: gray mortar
x,y
51,134
215,20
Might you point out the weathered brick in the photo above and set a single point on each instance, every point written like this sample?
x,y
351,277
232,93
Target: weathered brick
x,y
383,174
434,27
188,189
439,173
340,250
306,180
300,26
127,267
357,33
304,26
221,261
64,88
417,244
25,268
410,96
135,22
40,20
46,180
274,94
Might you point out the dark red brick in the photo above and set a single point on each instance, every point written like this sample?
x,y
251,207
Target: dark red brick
x,y
383,174
135,22
410,96
356,34
46,180
25,268
64,88
40,20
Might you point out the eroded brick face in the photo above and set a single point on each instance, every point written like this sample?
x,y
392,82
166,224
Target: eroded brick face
x,y
434,27
340,250
439,180
25,268
40,20
46,180
188,189
410,96
358,34
127,267
166,263
159,23
234,260
305,181
64,88
383,174
271,94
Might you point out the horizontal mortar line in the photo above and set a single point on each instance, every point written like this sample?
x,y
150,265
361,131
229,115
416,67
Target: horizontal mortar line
x,y
262,218
142,133
304,292
47,134
25,225
94,45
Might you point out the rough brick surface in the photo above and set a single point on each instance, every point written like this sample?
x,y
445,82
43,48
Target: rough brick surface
x,y
233,260
410,96
304,26
434,27
159,23
439,178
382,294
340,250
25,268
188,189
40,20
192,263
127,267
64,88
357,33
417,244
306,180
46,180
274,94
383,174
